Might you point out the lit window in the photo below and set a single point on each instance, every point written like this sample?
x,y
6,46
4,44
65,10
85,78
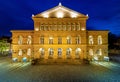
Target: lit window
x,y
91,52
78,39
29,40
77,52
55,27
99,52
29,52
78,27
42,40
50,40
68,52
59,52
46,27
42,52
41,27
90,39
51,27
68,39
99,39
64,27
59,40
69,27
20,52
20,40
59,27
51,52
73,27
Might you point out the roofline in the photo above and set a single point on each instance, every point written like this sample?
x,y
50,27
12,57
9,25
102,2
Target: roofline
x,y
22,31
57,7
97,30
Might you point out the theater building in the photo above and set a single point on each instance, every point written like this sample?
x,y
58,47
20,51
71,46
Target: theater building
x,y
59,35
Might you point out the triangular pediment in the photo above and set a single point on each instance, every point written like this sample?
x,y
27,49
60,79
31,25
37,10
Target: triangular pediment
x,y
60,12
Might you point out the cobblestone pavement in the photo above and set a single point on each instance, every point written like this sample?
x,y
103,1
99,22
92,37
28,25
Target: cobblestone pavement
x,y
25,72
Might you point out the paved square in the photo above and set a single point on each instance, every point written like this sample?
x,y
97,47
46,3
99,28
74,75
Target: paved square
x,y
25,72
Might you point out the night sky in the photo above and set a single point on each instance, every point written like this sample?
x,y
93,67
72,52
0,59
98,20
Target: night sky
x,y
16,14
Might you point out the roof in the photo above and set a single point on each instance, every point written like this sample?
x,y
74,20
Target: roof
x,y
60,11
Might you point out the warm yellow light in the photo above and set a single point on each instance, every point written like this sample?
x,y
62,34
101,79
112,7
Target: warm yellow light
x,y
73,15
50,37
36,29
83,29
60,14
45,15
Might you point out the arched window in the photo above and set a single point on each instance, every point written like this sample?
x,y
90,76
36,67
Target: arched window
x,y
78,39
99,39
29,52
90,39
20,39
100,52
51,52
77,52
68,39
20,52
51,40
29,40
59,52
68,52
91,52
41,39
42,52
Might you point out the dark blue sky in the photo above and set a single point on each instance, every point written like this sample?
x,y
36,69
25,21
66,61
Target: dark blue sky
x,y
16,14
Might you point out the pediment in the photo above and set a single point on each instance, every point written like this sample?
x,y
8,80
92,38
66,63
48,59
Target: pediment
x,y
60,12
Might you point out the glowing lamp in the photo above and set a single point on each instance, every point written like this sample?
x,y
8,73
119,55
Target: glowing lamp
x,y
60,14
24,59
83,29
106,58
73,15
96,58
45,15
14,59
36,29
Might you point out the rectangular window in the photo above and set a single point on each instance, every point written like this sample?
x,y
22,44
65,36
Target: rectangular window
x,y
41,40
50,40
68,39
59,40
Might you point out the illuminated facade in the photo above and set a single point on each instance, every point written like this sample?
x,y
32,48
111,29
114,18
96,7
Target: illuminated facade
x,y
59,35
